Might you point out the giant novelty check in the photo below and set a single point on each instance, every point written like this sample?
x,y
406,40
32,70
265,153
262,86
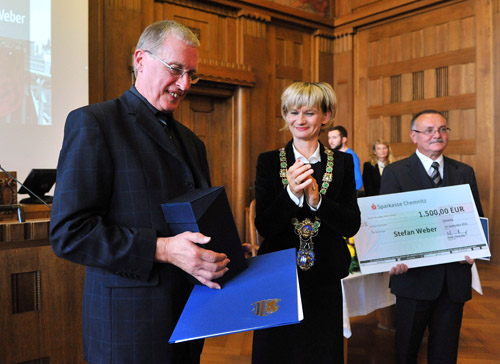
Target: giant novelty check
x,y
419,228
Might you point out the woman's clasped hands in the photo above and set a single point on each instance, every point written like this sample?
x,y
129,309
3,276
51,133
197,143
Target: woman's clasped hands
x,y
302,183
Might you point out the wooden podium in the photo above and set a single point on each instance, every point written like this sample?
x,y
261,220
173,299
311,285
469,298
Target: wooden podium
x,y
40,295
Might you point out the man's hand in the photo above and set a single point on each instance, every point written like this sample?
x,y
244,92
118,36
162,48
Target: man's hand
x,y
181,250
398,269
468,260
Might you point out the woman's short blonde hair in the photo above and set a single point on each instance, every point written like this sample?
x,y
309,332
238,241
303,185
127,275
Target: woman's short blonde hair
x,y
309,94
373,156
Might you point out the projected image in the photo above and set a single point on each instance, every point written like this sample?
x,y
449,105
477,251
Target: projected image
x,y
25,60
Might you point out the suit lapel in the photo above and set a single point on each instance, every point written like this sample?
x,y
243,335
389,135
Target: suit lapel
x,y
152,127
191,153
145,118
450,174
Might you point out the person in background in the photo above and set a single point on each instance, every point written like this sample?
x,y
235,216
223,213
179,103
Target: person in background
x,y
337,138
306,199
380,157
431,297
119,161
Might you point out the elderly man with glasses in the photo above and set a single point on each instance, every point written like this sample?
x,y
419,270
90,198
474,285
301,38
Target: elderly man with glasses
x,y
119,161
430,297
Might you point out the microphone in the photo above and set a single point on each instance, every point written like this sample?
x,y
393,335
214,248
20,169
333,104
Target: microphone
x,y
31,192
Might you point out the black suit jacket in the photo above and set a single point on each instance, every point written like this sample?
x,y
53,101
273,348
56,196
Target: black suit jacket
x,y
339,212
371,179
116,167
426,283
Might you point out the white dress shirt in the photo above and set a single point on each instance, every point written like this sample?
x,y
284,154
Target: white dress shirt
x,y
427,163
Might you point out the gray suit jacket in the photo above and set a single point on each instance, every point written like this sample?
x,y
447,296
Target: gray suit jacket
x,y
427,282
116,167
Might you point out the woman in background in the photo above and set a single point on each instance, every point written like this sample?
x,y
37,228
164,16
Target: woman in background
x,y
380,157
306,199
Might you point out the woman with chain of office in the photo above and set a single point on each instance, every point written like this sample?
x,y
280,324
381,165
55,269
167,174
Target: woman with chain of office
x,y
306,199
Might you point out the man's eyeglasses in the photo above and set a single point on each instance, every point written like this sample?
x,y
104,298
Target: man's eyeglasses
x,y
176,72
431,131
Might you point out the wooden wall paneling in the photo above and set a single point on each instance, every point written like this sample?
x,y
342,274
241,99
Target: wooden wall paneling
x,y
214,24
430,84
494,230
119,44
408,86
161,12
257,50
20,332
323,53
241,159
485,142
223,125
342,8
61,313
343,84
148,13
96,51
364,89
367,11
293,63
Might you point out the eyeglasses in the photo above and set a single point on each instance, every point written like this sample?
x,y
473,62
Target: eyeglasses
x,y
431,131
176,72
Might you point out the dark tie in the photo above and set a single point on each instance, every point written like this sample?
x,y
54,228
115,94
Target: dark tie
x,y
168,126
436,177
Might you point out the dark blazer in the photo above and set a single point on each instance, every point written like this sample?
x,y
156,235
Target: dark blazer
x,y
116,167
339,211
371,179
426,283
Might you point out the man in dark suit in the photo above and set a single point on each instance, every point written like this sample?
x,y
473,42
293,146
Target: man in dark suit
x,y
432,296
119,161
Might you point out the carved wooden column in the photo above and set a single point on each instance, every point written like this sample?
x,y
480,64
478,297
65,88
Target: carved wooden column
x,y
242,156
343,84
323,56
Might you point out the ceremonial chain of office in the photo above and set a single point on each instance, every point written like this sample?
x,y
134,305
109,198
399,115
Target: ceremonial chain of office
x,y
307,229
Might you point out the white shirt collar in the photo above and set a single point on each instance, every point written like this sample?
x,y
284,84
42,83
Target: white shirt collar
x,y
315,157
427,163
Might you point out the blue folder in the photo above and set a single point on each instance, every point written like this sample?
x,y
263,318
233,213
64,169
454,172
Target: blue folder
x,y
264,295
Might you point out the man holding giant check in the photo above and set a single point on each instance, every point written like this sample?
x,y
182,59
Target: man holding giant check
x,y
432,296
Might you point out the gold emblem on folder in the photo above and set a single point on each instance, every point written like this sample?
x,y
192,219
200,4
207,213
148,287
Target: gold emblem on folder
x,y
265,307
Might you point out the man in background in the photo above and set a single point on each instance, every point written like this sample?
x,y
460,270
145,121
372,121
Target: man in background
x,y
430,297
119,161
337,138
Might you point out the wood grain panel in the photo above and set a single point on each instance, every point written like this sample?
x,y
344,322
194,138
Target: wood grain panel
x,y
455,147
467,55
466,101
61,315
20,332
420,20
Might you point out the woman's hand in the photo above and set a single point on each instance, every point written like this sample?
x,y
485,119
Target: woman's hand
x,y
311,193
299,178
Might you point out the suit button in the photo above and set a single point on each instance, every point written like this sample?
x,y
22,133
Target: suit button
x,y
189,185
